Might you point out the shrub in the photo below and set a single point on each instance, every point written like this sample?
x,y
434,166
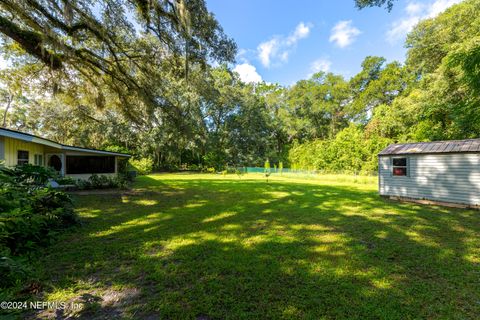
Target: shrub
x,y
65,181
193,167
104,182
27,175
143,166
12,271
211,170
30,215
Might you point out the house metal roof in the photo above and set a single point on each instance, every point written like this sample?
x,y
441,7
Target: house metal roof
x,y
450,146
36,139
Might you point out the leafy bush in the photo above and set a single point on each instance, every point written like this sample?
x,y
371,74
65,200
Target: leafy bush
x,y
194,167
143,166
210,170
12,270
30,215
28,176
104,182
65,181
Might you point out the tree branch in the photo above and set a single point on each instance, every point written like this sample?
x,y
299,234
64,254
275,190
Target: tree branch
x,y
30,41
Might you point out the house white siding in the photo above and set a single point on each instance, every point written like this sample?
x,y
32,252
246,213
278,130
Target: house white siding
x,y
449,177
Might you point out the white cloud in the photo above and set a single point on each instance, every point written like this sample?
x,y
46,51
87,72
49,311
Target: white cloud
x,y
414,12
301,31
343,33
414,8
277,50
267,50
248,73
321,64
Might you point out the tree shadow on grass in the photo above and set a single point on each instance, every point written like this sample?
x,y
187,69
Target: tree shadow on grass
x,y
220,249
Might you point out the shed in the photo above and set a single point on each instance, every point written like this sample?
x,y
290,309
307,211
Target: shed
x,y
442,171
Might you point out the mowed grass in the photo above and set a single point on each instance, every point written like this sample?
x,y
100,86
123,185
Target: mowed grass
x,y
213,247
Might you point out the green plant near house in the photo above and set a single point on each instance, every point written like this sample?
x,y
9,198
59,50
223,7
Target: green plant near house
x,y
28,176
104,182
30,215
143,166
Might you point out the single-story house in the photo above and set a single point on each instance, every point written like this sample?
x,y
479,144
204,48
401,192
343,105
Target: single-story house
x,y
442,171
17,148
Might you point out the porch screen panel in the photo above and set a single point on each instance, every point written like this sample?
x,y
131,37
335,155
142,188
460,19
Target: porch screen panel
x,y
90,164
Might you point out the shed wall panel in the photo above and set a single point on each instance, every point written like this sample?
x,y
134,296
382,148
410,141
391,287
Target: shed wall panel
x,y
451,177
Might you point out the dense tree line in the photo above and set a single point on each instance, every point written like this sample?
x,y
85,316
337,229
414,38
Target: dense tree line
x,y
173,106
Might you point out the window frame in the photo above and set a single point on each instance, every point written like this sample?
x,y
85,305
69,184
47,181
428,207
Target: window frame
x,y
406,167
38,159
23,161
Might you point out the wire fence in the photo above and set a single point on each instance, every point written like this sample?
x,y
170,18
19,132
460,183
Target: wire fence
x,y
302,172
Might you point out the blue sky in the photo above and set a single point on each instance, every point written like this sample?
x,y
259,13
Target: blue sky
x,y
283,41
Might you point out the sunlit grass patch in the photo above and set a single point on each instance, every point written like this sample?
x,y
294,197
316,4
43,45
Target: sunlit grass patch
x,y
221,247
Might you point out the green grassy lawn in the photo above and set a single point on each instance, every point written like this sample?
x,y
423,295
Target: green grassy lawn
x,y
213,247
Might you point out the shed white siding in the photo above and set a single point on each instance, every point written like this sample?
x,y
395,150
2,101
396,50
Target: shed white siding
x,y
449,177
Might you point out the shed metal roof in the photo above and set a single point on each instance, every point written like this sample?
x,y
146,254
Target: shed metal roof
x,y
450,146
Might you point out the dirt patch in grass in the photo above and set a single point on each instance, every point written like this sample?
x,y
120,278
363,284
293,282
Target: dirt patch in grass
x,y
106,304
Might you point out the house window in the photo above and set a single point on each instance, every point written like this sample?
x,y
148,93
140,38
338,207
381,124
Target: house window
x,y
22,157
400,166
38,159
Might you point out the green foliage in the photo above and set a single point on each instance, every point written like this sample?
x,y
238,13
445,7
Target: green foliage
x,y
27,176
214,160
374,3
350,152
65,37
210,170
194,167
65,181
104,182
143,166
117,149
30,215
